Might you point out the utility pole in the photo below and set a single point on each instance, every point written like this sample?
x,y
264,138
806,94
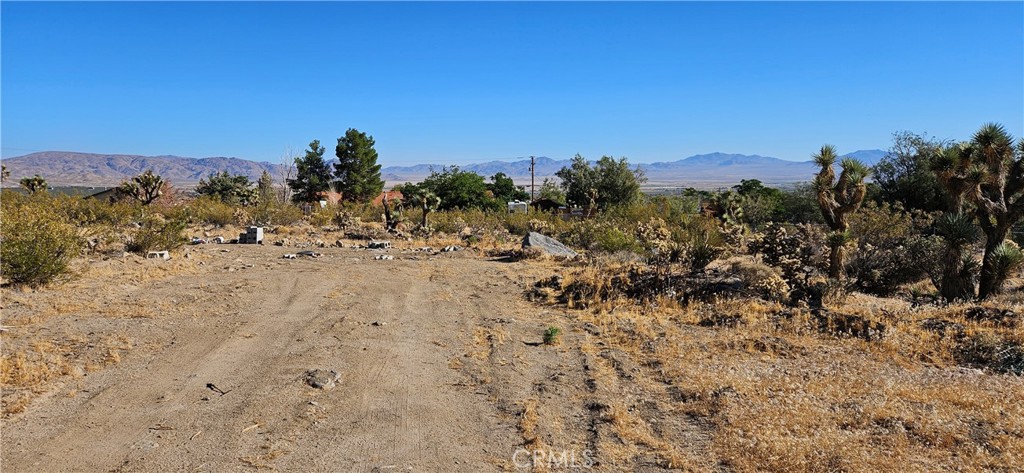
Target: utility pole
x,y
533,184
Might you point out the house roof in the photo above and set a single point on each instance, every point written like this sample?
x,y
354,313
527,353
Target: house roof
x,y
391,195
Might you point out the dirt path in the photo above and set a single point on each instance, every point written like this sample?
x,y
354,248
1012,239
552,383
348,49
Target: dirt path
x,y
391,329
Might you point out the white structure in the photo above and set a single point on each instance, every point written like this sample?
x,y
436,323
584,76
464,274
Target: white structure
x,y
517,207
252,236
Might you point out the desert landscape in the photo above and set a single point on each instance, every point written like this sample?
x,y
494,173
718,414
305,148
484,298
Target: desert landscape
x,y
726,237
463,353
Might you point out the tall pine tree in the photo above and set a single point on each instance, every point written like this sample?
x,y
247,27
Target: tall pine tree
x,y
357,171
312,175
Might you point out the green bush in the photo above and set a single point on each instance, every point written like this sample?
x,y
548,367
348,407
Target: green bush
x,y
891,251
157,234
37,244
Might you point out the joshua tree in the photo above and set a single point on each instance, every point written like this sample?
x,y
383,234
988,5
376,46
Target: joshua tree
x,y
837,200
4,173
34,184
427,201
145,187
987,173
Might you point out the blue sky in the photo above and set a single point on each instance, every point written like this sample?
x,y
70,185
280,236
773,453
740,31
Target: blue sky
x,y
464,82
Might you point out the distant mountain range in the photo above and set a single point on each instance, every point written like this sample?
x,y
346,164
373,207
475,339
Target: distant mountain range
x,y
702,171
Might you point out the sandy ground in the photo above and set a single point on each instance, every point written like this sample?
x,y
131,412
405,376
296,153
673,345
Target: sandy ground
x,y
407,337
442,368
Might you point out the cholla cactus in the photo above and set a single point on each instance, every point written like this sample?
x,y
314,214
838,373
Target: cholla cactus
x,y
838,198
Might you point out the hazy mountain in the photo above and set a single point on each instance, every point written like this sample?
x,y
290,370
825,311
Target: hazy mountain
x,y
69,168
704,170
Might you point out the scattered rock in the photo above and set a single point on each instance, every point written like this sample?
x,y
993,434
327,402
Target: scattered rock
x,y
384,257
311,254
377,323
547,245
164,255
321,379
450,248
339,244
282,242
379,244
290,256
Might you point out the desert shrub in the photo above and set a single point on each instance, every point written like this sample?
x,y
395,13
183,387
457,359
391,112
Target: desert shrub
x,y
204,210
97,212
599,235
891,251
275,214
610,239
37,243
702,239
800,205
156,233
764,279
989,350
321,216
551,335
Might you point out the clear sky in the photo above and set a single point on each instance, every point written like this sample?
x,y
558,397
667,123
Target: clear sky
x,y
464,82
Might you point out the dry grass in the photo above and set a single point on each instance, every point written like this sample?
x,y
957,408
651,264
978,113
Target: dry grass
x,y
777,393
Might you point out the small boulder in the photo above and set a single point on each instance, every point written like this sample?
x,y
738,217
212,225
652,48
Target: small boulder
x,y
321,379
547,245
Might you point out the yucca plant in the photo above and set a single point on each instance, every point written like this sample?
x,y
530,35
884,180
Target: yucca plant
x,y
958,264
838,198
987,173
1006,258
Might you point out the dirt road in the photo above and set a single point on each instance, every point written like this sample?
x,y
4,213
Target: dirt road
x,y
410,339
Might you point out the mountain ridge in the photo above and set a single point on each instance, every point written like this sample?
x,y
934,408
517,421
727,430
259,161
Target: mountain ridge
x,y
709,169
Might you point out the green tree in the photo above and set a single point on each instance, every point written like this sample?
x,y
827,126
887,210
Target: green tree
x,y
905,174
357,171
232,190
457,189
34,184
265,188
988,174
800,205
145,188
608,183
579,181
505,189
549,189
837,200
312,175
761,204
